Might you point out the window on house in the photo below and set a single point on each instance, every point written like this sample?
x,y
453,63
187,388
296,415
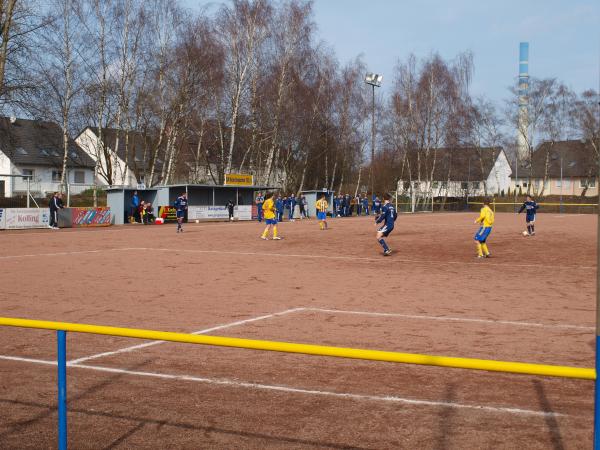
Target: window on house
x,y
44,152
435,185
464,185
566,183
27,173
475,184
444,184
558,183
21,151
79,176
56,176
591,184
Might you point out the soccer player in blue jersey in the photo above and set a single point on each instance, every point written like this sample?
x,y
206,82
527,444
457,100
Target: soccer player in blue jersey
x,y
181,205
530,207
387,217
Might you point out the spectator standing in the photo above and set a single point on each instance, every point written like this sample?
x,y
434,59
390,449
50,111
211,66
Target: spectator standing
x,y
377,206
302,207
279,205
259,204
286,205
55,204
365,205
352,206
133,207
292,203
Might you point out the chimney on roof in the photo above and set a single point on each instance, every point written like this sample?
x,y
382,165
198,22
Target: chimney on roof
x,y
13,119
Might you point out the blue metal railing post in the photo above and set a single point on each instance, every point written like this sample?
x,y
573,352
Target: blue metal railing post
x,y
62,389
597,400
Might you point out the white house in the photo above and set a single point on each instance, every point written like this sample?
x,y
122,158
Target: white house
x,y
125,166
31,154
456,172
559,168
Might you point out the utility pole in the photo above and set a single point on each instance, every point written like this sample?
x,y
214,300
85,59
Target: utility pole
x,y
374,80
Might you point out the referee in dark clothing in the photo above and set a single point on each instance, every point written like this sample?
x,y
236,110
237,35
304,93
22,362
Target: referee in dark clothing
x,y
55,204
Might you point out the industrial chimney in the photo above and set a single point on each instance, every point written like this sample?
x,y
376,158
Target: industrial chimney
x,y
523,123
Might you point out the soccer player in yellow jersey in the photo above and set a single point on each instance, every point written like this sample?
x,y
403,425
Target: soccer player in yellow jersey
x,y
486,220
270,219
322,206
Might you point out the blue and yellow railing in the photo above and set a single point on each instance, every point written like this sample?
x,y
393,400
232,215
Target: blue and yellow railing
x,y
286,347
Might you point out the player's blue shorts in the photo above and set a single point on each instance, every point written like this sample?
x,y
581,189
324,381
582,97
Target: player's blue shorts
x,y
482,234
385,230
321,215
271,221
530,218
180,213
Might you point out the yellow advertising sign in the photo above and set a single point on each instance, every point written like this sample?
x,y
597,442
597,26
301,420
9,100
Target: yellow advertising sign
x,y
238,179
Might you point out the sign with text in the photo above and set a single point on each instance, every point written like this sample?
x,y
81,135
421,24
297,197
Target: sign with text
x,y
168,213
243,212
238,179
2,218
18,218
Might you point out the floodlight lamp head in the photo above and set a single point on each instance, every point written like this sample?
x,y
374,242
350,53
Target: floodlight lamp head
x,y
373,79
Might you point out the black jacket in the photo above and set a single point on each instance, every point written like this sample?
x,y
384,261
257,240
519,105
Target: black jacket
x,y
55,204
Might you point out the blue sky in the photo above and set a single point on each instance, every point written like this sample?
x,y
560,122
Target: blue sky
x,y
563,36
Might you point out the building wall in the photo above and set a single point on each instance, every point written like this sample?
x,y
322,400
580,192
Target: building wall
x,y
122,175
498,180
6,168
570,186
43,182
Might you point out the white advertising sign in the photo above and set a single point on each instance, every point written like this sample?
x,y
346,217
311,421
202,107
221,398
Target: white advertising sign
x,y
2,218
26,218
243,212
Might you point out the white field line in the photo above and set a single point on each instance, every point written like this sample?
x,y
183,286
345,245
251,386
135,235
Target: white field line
x,y
355,258
453,319
91,231
293,390
207,330
79,252
287,255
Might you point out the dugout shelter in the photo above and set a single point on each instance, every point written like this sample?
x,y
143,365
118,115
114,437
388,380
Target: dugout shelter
x,y
199,195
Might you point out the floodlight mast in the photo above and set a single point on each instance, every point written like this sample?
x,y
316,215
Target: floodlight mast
x,y
374,79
